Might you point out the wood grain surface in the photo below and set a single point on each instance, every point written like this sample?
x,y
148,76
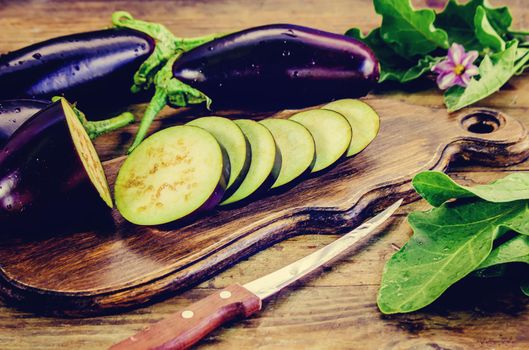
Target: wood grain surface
x,y
109,270
331,311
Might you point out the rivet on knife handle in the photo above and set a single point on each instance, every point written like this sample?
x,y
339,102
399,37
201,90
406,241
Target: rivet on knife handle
x,y
186,327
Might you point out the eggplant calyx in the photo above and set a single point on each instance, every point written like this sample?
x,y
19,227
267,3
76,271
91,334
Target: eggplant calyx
x,y
168,91
95,129
167,45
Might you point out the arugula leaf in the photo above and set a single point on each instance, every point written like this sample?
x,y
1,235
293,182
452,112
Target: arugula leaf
x,y
392,66
386,55
521,60
486,34
448,243
493,75
411,32
459,21
499,17
514,250
422,67
437,188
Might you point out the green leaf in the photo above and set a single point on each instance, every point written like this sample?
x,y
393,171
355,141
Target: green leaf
x,y
437,188
448,243
411,32
406,75
499,17
494,73
514,250
458,21
385,53
392,66
485,32
522,55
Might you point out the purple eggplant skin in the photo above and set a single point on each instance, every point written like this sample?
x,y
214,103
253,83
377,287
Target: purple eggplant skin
x,y
94,69
43,183
279,65
13,113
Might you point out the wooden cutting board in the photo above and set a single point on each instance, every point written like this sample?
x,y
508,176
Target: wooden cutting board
x,y
89,273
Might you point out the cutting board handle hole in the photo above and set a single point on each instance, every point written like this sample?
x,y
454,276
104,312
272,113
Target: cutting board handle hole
x,y
483,121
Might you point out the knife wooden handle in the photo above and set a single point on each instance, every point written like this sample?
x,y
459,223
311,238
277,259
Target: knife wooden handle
x,y
183,329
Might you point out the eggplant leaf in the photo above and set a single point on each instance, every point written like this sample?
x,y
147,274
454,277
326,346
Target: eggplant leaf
x,y
493,75
514,250
411,32
486,34
437,188
448,243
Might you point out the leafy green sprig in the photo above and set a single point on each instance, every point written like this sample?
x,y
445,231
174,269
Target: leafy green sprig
x,y
410,42
457,238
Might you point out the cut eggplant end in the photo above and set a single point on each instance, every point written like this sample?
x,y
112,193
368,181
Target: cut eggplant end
x,y
296,146
264,158
232,140
173,173
331,133
87,153
364,121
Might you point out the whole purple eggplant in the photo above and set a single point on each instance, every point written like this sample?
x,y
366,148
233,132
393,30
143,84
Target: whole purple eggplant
x,y
93,68
99,70
279,65
13,113
273,66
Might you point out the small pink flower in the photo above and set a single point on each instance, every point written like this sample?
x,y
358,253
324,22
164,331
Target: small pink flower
x,y
457,69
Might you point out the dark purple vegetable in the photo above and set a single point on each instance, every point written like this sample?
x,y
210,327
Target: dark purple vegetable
x,y
277,66
50,175
95,69
15,112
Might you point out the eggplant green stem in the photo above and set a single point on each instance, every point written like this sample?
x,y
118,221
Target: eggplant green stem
x,y
100,127
167,45
97,128
168,91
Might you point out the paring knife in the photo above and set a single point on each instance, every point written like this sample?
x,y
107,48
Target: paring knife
x,y
185,328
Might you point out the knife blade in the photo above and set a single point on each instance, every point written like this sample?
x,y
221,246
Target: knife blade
x,y
183,329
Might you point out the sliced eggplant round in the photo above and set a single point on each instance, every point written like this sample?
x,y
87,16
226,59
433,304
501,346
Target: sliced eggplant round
x,y
296,145
331,133
265,162
50,174
232,139
175,172
364,122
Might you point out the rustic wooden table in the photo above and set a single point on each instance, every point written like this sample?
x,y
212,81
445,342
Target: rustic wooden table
x,y
334,310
